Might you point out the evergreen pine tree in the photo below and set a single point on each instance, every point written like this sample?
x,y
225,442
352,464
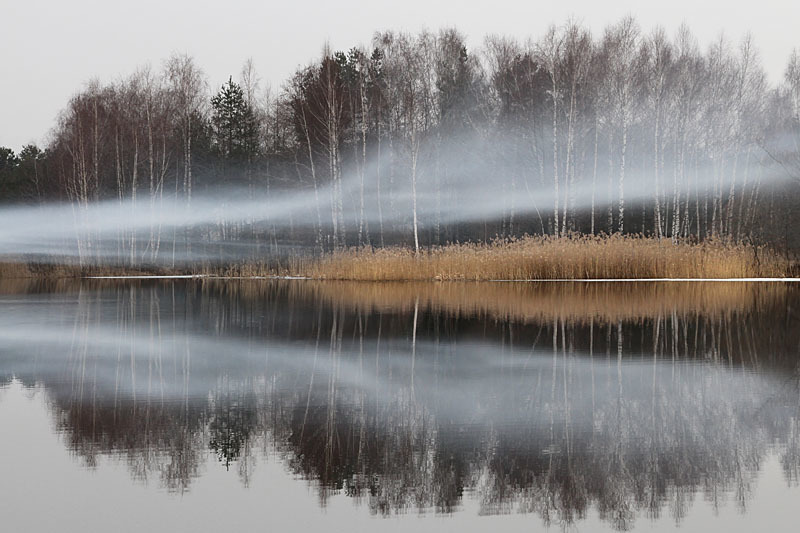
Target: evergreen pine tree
x,y
235,129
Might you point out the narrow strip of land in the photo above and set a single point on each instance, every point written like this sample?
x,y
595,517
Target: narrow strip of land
x,y
539,258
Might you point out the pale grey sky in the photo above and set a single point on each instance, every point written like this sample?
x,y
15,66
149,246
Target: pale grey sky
x,y
51,48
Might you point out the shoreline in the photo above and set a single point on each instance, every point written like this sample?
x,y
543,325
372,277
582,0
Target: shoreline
x,y
582,300
301,278
605,258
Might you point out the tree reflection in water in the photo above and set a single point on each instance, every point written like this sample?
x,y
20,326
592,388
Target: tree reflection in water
x,y
543,398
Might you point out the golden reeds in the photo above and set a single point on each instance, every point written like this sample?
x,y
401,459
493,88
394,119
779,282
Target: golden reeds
x,y
531,258
528,258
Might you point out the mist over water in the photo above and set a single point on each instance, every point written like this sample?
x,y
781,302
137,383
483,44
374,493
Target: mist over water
x,y
237,224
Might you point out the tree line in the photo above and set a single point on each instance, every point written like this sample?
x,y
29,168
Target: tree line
x,y
625,131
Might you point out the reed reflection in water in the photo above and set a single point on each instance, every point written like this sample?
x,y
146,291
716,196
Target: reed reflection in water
x,y
557,399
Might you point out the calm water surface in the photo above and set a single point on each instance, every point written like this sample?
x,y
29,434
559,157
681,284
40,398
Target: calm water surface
x,y
171,405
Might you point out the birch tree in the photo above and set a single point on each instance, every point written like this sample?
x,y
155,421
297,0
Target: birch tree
x,y
189,86
550,50
658,65
623,39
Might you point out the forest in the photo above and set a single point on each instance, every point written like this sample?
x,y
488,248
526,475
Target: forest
x,y
416,140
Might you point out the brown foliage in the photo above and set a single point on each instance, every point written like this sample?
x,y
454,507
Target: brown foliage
x,y
528,258
531,258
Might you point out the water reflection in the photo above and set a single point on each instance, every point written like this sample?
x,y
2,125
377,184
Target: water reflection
x,y
553,399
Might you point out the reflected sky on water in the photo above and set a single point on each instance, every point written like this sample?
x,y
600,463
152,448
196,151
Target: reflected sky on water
x,y
222,404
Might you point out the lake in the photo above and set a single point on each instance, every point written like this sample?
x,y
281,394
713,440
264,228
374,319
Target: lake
x,y
178,405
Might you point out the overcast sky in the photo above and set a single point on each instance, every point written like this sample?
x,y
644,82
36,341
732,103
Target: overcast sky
x,y
50,49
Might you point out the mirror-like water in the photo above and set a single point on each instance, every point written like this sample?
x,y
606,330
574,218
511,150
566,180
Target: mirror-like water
x,y
169,404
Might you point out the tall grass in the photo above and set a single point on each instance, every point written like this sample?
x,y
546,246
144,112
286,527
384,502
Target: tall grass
x,y
12,270
530,258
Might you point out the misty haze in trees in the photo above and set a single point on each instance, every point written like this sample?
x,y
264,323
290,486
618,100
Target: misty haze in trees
x,y
417,140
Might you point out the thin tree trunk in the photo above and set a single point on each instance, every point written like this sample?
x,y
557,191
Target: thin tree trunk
x,y
744,192
622,171
414,155
594,166
656,146
555,156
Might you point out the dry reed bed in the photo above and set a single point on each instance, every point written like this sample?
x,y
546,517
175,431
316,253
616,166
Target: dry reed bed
x,y
15,270
32,285
574,257
528,258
